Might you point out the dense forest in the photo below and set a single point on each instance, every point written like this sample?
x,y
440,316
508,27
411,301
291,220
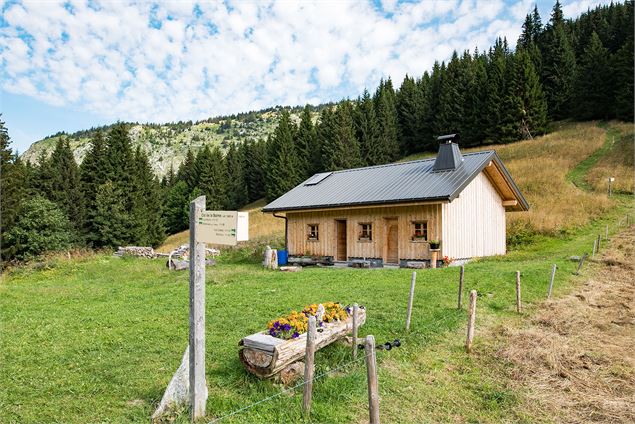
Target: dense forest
x,y
564,69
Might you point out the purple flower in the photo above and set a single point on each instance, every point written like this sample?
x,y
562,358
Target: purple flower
x,y
286,327
295,335
272,332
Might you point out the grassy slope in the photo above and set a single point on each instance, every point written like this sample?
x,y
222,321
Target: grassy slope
x,y
98,339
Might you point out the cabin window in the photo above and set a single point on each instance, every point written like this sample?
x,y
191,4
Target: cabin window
x,y
312,232
420,231
365,231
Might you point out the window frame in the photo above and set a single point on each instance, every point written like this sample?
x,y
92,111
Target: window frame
x,y
365,234
313,234
425,234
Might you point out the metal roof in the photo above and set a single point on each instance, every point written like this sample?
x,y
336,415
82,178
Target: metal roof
x,y
393,183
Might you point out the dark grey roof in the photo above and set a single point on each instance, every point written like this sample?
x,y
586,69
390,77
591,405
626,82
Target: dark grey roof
x,y
393,183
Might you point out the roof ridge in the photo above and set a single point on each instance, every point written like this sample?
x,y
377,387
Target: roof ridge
x,y
385,165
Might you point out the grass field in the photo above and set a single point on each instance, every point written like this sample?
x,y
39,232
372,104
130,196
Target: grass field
x,y
97,339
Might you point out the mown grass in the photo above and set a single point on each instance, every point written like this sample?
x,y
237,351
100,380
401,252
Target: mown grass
x,y
97,338
618,162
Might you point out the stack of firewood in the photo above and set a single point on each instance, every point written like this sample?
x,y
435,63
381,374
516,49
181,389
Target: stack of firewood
x,y
139,251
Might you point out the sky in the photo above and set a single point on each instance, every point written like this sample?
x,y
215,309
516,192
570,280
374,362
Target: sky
x,y
72,65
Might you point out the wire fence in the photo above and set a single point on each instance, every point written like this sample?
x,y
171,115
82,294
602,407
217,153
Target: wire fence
x,y
420,331
338,368
288,389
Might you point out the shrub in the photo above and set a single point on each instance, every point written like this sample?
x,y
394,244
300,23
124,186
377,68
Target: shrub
x,y
41,227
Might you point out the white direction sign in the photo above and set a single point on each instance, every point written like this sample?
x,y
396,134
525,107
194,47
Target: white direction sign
x,y
222,227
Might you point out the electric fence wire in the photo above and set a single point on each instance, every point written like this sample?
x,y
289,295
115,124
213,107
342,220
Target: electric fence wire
x,y
304,382
287,390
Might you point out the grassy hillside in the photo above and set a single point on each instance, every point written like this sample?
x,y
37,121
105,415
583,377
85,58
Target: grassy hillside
x,y
543,170
97,338
167,144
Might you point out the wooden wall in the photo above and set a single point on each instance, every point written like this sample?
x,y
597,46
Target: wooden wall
x,y
474,223
327,243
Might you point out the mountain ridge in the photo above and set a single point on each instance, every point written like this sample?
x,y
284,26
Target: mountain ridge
x,y
167,144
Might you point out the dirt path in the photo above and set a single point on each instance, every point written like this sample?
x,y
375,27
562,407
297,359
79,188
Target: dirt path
x,y
576,357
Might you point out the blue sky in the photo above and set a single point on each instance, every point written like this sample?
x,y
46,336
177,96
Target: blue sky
x,y
66,66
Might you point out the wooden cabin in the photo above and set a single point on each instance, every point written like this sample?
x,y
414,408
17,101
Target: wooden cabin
x,y
390,214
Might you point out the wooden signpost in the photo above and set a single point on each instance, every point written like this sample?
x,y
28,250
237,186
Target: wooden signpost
x,y
214,227
198,388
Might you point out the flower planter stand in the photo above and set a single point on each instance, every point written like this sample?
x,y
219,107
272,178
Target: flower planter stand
x,y
434,257
265,356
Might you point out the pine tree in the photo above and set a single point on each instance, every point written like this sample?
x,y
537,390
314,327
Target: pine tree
x,y
558,65
367,130
452,98
593,86
476,96
255,160
176,210
412,110
309,152
436,82
342,149
237,193
13,191
427,141
623,89
186,172
40,227
66,190
146,212
211,175
283,165
111,216
93,172
386,111
497,115
524,102
530,38
325,130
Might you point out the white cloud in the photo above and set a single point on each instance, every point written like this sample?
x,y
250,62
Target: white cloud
x,y
215,58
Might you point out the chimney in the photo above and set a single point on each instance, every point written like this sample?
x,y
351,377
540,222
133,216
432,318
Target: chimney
x,y
449,157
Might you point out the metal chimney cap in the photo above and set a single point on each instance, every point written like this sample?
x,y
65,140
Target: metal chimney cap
x,y
448,138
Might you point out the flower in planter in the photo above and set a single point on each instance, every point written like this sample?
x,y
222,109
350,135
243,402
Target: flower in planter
x,y
447,260
297,323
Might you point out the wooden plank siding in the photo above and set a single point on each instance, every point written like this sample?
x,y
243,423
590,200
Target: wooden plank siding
x,y
474,223
326,245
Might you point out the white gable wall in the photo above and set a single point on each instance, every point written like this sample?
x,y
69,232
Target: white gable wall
x,y
473,224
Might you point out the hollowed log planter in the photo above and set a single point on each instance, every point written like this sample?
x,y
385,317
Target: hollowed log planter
x,y
265,356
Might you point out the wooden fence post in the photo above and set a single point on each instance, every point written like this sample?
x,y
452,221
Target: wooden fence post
x,y
553,275
577,272
471,320
355,309
309,366
371,373
518,303
595,243
606,236
599,240
198,388
461,275
413,280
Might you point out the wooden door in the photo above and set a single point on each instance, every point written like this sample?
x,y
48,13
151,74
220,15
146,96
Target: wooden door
x,y
392,241
341,240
